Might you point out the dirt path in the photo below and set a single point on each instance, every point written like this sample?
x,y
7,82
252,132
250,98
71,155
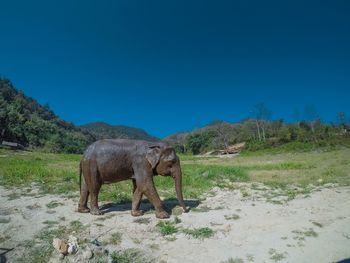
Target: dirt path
x,y
246,227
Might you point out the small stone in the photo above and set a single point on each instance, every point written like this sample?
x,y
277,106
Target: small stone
x,y
61,256
87,254
72,249
60,246
176,211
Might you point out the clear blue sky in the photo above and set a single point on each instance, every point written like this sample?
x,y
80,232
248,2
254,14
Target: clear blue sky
x,y
168,66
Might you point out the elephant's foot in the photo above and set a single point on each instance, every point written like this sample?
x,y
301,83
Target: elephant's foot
x,y
136,212
96,211
185,209
83,209
162,214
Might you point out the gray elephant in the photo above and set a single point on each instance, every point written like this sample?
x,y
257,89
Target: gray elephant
x,y
114,160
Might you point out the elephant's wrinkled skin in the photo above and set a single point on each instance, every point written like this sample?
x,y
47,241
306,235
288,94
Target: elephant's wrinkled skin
x,y
108,161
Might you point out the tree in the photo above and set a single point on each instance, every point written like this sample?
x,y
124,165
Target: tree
x,y
311,115
25,121
223,130
296,115
261,114
198,142
341,118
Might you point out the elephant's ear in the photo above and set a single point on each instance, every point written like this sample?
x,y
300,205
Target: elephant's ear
x,y
153,155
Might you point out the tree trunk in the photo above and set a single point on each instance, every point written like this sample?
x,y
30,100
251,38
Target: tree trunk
x,y
263,132
258,128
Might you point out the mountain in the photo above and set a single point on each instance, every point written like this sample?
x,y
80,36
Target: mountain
x,y
23,120
101,130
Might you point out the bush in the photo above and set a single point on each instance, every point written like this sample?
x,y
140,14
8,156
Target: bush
x,y
199,142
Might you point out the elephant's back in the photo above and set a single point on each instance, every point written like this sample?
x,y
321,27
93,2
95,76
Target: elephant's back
x,y
114,147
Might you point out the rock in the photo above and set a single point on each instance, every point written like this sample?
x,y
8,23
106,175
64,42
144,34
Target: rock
x,y
72,249
73,246
176,211
72,240
60,246
61,256
87,254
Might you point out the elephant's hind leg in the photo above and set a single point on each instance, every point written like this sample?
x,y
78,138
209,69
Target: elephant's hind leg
x,y
84,195
94,190
93,183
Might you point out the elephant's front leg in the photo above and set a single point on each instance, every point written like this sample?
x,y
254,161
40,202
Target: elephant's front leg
x,y
152,195
136,200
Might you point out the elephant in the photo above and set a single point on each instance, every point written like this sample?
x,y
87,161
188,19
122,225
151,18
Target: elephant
x,y
113,160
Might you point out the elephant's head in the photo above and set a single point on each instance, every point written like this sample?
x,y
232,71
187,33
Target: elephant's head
x,y
165,162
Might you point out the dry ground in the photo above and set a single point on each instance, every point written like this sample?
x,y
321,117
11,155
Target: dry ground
x,y
250,223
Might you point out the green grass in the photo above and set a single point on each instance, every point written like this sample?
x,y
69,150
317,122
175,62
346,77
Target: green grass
x,y
200,233
3,238
76,225
53,204
232,217
58,173
202,209
317,167
275,256
300,235
50,222
5,220
115,239
142,220
131,255
54,173
233,260
317,224
167,228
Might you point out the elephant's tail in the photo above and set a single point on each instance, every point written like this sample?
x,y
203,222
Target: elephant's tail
x,y
80,171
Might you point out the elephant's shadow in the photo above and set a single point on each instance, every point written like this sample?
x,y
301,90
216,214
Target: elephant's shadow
x,y
146,206
3,258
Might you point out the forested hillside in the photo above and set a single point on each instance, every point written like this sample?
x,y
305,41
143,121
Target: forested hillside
x,y
103,130
260,133
25,121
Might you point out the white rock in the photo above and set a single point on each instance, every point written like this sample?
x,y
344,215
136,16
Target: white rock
x,y
72,249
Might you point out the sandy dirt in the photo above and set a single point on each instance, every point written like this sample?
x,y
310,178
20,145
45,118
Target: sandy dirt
x,y
248,228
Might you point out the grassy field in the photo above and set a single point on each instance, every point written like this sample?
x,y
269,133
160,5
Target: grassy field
x,y
58,173
287,174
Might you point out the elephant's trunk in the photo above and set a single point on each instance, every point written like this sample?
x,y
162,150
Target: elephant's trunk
x,y
178,188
